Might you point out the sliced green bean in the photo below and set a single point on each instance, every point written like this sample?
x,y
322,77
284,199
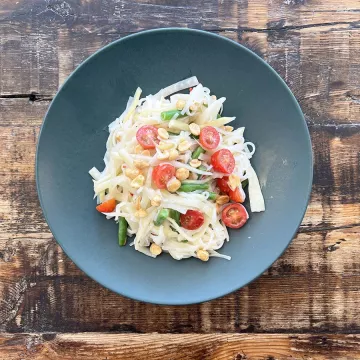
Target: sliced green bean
x,y
212,196
162,216
245,183
168,115
197,152
193,187
175,215
122,231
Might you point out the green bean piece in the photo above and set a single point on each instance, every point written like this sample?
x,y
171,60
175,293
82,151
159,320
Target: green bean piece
x,y
193,187
162,216
218,116
194,136
245,183
203,168
212,196
175,215
122,231
197,152
168,115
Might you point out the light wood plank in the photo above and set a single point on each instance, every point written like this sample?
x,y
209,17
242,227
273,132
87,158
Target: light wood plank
x,y
185,347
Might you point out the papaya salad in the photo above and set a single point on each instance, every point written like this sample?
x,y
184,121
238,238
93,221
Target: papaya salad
x,y
175,172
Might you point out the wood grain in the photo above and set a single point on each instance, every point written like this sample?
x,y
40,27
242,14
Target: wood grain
x,y
185,347
314,286
42,42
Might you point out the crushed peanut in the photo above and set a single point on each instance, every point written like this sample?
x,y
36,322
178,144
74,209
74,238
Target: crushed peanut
x,y
173,154
140,213
222,199
156,200
146,153
118,138
195,163
137,203
203,255
193,107
193,176
165,146
184,145
138,182
141,164
234,182
180,104
164,155
163,134
194,129
138,149
182,174
132,173
228,128
213,97
155,249
173,184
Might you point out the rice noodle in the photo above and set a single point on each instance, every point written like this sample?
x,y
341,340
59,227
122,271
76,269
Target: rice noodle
x,y
122,153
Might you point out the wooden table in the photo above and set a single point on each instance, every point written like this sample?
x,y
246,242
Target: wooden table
x,y
306,306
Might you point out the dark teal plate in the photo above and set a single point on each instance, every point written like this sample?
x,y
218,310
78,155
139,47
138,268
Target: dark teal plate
x,y
73,140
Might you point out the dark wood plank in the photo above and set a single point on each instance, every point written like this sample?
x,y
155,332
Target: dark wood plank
x,y
313,287
96,346
314,45
41,290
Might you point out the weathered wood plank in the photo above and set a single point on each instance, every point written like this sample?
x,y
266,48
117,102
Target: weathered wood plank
x,y
130,15
336,172
313,287
42,42
186,347
313,44
41,290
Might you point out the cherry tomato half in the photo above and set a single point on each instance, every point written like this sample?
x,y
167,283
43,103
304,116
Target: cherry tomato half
x,y
107,206
237,195
223,185
209,138
223,161
147,136
162,174
192,220
234,216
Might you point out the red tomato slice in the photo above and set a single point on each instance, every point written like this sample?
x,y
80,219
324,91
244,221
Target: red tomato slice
x,y
223,185
192,220
162,174
107,206
234,216
147,136
223,161
237,195
209,138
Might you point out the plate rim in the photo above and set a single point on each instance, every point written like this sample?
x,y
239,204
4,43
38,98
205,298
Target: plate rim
x,y
234,43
